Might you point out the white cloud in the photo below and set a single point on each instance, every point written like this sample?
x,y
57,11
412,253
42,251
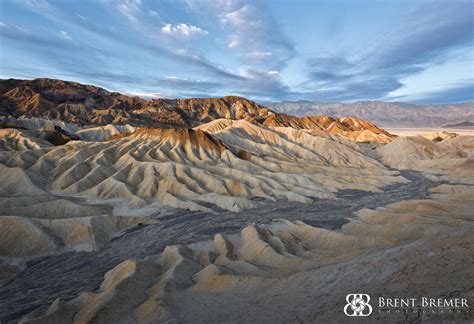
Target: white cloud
x,y
238,18
249,28
233,44
64,34
2,24
273,72
182,30
187,54
146,95
130,9
259,55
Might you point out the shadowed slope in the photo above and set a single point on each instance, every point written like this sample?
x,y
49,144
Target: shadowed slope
x,y
349,127
184,137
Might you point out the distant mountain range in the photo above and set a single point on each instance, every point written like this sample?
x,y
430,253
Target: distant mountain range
x,y
385,114
461,125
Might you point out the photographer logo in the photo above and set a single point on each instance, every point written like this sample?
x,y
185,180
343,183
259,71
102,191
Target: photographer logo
x,y
358,305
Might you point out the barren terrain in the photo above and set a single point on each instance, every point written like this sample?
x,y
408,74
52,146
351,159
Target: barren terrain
x,y
248,217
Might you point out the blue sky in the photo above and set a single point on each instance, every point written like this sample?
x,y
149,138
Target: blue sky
x,y
326,50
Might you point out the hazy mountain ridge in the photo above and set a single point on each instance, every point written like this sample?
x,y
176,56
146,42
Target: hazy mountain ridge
x,y
385,114
460,125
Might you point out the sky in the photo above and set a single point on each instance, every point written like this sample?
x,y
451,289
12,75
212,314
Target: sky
x,y
268,50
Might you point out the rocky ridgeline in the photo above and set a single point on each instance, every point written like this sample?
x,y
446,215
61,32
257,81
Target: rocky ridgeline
x,y
86,105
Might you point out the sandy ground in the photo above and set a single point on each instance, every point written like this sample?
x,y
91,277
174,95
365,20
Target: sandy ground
x,y
422,131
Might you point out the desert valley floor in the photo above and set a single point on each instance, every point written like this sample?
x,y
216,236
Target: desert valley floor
x,y
221,210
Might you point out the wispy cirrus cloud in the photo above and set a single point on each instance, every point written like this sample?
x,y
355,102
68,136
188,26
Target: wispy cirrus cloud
x,y
256,49
64,34
132,9
254,37
259,55
427,34
259,80
248,25
135,12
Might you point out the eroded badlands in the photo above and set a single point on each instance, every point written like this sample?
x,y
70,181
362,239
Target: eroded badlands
x,y
229,221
